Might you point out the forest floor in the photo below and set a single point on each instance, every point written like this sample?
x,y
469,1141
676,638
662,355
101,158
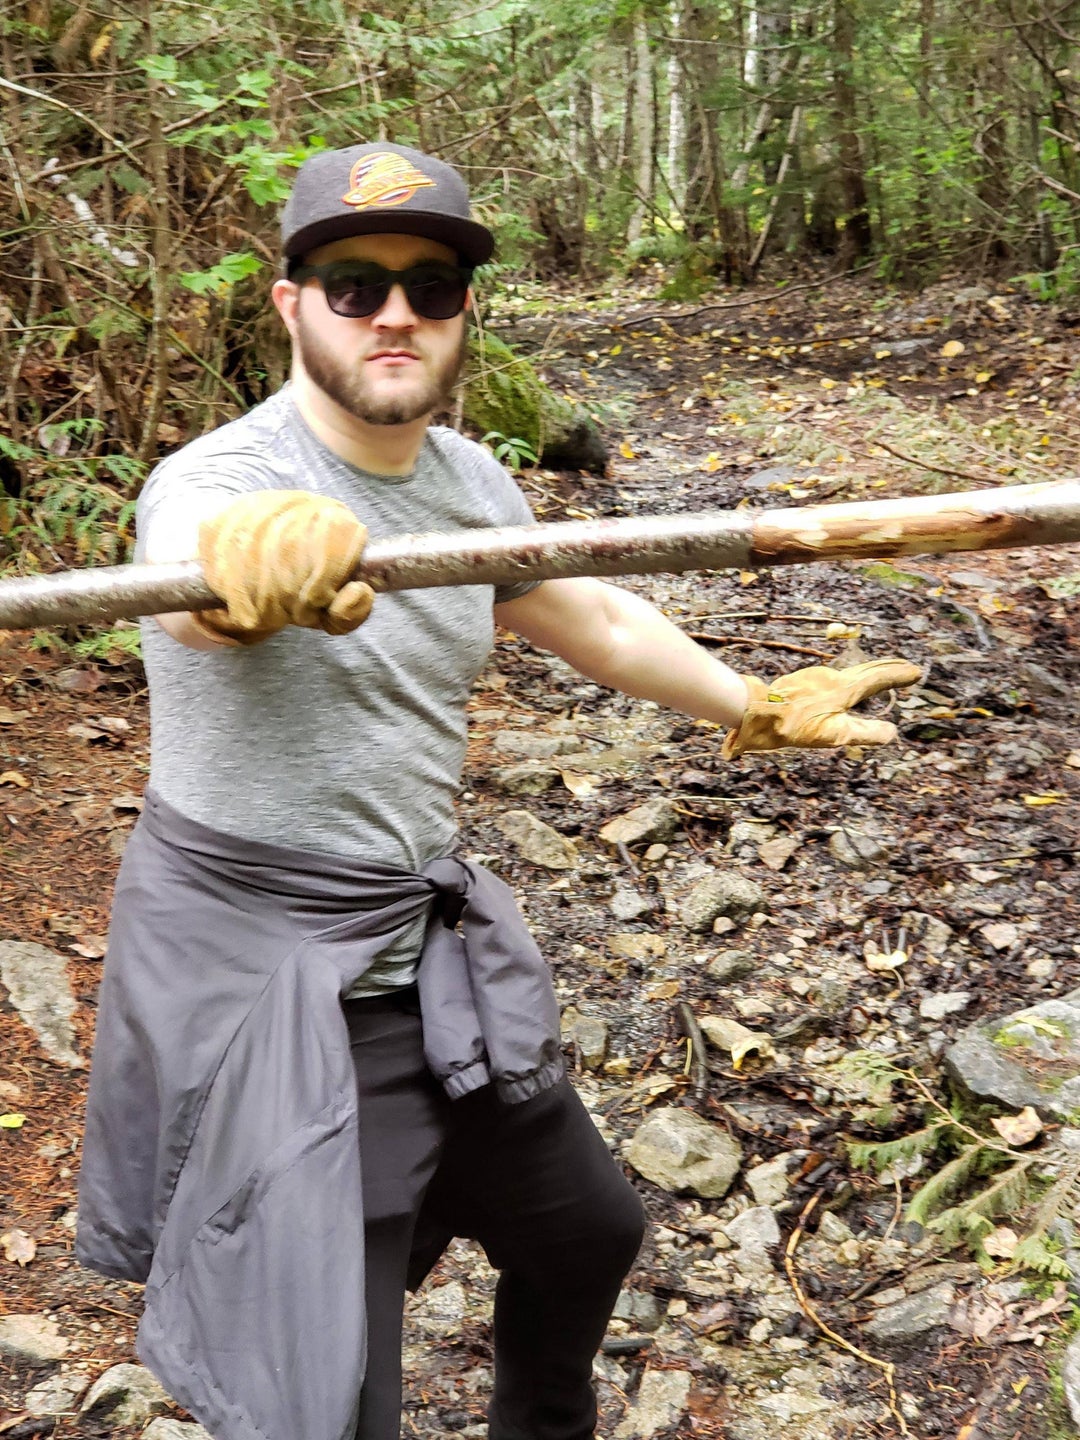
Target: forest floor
x,y
837,391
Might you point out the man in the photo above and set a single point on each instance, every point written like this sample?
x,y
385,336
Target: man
x,y
325,1044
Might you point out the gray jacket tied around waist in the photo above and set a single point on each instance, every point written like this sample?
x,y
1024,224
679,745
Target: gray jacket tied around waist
x,y
221,1160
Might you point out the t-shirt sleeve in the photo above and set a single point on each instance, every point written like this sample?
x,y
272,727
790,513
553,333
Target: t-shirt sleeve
x,y
182,485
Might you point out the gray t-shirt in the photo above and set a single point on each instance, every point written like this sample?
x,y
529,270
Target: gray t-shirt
x,y
349,744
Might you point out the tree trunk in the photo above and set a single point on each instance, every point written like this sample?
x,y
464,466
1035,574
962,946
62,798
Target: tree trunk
x,y
641,163
857,237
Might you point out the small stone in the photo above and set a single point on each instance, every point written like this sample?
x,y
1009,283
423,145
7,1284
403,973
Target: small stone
x,y
857,849
913,1315
641,1308
537,842
833,1230
951,1002
532,746
448,1302
1041,968
758,1334
680,1152
751,1006
1002,935
37,983
749,832
637,946
56,1396
655,853
627,904
722,893
165,1429
589,1033
660,1403
35,1338
730,965
524,779
655,821
755,1229
768,1183
126,1395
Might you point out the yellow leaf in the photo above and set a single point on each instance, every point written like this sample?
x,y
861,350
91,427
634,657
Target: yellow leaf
x,y
1054,797
615,350
712,463
748,577
951,349
1019,1386
828,384
12,777
626,451
100,48
737,1039
982,377
12,1121
882,354
580,785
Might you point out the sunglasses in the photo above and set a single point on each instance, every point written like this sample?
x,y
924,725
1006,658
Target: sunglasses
x,y
357,288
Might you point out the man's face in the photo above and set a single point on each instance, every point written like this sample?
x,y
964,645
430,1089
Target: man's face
x,y
389,368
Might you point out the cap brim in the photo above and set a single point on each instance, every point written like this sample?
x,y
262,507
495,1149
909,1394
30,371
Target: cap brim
x,y
474,243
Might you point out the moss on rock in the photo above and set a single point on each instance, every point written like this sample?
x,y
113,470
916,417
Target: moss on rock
x,y
503,393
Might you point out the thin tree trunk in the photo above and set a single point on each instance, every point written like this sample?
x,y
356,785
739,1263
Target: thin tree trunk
x,y
857,237
161,254
641,166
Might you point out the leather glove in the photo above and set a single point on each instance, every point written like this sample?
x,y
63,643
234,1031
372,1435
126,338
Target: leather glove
x,y
809,707
283,557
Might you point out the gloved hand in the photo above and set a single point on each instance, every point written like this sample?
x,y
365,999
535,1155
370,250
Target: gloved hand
x,y
283,557
809,707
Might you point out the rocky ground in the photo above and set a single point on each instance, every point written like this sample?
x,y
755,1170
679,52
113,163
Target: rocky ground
x,y
761,963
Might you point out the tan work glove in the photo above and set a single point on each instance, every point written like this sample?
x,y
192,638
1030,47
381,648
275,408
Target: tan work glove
x,y
283,557
809,707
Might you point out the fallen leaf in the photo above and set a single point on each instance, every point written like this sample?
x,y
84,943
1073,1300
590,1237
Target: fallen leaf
x,y
665,990
18,1247
12,1121
1001,1243
12,777
90,947
580,785
1053,797
883,962
626,451
951,349
12,717
1018,1129
736,1039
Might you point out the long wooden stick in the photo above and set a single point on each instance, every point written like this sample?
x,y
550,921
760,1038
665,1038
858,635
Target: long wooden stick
x,y
1009,518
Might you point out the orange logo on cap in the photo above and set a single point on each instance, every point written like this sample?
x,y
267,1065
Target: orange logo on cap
x,y
384,179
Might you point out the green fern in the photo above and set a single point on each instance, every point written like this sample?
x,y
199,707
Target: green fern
x,y
1042,1255
973,1219
879,1155
943,1184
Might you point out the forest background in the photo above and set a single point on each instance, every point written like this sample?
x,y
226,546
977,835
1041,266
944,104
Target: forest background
x,y
145,150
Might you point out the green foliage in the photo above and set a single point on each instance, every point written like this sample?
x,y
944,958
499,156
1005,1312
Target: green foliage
x,y
513,452
222,276
112,647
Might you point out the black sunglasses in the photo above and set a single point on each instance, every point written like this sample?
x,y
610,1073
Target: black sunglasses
x,y
356,288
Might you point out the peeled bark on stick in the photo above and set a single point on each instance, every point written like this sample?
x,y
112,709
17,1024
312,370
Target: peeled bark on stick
x,y
1004,519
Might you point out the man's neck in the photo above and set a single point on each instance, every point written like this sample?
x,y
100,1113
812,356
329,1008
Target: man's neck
x,y
379,449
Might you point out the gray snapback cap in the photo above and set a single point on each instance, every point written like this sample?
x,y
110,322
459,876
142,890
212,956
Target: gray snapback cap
x,y
381,189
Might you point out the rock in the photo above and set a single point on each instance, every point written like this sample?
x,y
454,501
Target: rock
x,y
749,832
35,1338
950,1002
720,894
55,1396
1020,1060
730,965
537,842
164,1429
914,1315
627,904
660,1403
768,1183
775,475
857,849
126,1395
680,1152
655,821
589,1033
1070,1379
531,746
755,1229
637,947
448,1302
524,779
833,1230
932,934
37,983
641,1308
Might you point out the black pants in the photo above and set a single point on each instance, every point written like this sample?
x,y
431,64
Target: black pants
x,y
534,1183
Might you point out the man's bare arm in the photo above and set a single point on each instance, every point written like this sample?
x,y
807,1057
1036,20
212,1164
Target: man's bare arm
x,y
614,637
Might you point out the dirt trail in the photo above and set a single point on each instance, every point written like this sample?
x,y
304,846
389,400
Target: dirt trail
x,y
840,395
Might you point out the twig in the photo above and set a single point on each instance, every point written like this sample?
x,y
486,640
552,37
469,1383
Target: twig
x,y
742,304
934,469
708,639
886,1366
692,1030
1009,855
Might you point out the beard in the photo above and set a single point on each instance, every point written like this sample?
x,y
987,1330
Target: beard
x,y
348,386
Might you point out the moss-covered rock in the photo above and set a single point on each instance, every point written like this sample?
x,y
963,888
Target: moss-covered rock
x,y
503,393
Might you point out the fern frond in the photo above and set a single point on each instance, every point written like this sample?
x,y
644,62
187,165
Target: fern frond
x,y
973,1219
943,1184
1036,1252
880,1154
